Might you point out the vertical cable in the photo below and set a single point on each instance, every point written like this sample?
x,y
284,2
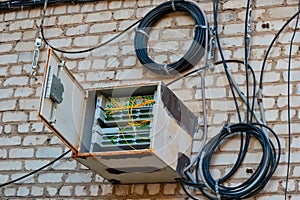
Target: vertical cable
x,y
289,104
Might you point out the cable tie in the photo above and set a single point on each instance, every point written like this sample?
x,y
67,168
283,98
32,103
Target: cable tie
x,y
166,69
200,26
217,190
143,32
228,128
173,6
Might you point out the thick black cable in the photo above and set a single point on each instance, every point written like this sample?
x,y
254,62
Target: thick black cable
x,y
246,47
89,49
271,45
268,164
289,105
216,2
194,53
35,171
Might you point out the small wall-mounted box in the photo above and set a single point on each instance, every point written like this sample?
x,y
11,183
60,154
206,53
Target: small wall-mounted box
x,y
127,134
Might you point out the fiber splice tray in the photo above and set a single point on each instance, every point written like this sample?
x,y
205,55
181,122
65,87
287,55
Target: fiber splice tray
x,y
127,134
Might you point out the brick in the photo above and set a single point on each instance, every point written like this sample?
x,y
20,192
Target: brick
x,y
65,191
105,75
103,27
281,12
79,177
37,191
34,140
103,5
54,32
78,30
165,46
80,190
123,14
3,178
58,43
129,61
3,154
14,116
48,152
37,127
8,58
20,153
23,191
234,4
29,104
50,177
169,189
73,8
106,189
5,47
4,37
34,164
233,29
51,191
10,165
23,14
87,8
9,16
65,165
23,24
60,10
23,128
138,189
7,105
99,64
114,4
129,74
10,191
94,190
184,94
16,81
99,16
86,41
25,57
74,19
7,129
294,76
153,189
276,90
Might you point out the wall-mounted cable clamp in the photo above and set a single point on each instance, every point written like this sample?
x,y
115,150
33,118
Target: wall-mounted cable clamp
x,y
36,52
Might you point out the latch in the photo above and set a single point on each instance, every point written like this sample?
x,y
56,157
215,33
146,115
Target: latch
x,y
55,88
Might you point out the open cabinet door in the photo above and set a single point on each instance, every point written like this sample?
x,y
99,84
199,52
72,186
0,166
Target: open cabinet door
x,y
62,102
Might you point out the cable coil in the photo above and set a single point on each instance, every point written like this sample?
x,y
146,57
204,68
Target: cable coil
x,y
196,50
216,189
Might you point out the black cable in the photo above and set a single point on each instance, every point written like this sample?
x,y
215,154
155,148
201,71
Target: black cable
x,y
246,47
267,166
89,49
35,171
289,104
216,2
196,50
271,45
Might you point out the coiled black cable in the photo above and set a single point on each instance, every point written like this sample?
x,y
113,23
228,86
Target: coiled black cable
x,y
196,50
266,168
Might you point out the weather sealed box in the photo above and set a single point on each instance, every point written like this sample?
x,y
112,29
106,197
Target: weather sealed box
x,y
126,133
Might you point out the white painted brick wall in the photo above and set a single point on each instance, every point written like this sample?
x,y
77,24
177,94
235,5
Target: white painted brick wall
x,y
26,144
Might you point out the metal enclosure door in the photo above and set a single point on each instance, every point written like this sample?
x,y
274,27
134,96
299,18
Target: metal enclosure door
x,y
62,111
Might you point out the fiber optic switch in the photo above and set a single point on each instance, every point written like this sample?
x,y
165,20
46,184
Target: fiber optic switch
x,y
126,133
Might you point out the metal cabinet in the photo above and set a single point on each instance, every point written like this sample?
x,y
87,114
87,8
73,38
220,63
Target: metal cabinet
x,y
126,133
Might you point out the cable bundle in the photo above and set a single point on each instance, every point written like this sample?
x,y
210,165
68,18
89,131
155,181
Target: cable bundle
x,y
214,189
196,50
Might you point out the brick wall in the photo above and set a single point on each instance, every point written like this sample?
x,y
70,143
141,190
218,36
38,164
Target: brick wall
x,y
27,144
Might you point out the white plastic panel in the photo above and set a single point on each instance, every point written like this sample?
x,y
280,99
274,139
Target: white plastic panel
x,y
64,118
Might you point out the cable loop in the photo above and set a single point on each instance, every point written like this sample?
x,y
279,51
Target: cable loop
x,y
197,49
